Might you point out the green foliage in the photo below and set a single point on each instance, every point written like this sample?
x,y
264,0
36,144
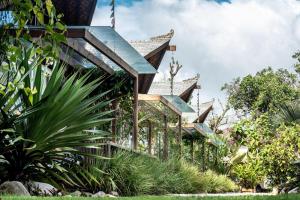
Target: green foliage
x,y
249,174
128,174
45,117
263,92
217,183
289,113
133,174
279,155
271,151
297,65
253,133
228,197
39,140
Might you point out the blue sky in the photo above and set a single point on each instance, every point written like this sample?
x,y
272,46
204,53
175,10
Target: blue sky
x,y
221,41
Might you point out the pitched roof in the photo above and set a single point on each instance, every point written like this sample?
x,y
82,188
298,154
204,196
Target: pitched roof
x,y
75,12
100,41
5,3
204,110
147,47
182,89
153,50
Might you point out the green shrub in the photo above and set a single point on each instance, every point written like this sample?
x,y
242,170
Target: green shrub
x,y
127,174
215,183
176,176
132,174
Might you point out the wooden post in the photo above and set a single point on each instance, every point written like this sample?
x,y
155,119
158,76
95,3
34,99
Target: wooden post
x,y
179,138
166,139
208,156
192,150
114,122
216,155
203,154
135,114
149,138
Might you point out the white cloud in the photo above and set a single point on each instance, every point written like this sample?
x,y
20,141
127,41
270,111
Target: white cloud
x,y
219,41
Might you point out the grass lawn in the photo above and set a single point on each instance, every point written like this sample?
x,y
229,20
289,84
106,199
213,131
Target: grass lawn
x,y
283,197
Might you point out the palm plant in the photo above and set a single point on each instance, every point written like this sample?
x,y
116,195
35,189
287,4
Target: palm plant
x,y
44,125
289,113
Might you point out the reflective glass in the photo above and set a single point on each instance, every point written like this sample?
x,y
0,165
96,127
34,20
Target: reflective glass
x,y
178,103
205,130
122,48
98,54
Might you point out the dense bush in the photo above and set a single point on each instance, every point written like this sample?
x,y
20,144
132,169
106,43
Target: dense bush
x,y
132,174
215,183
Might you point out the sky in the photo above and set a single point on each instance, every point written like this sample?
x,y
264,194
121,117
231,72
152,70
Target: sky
x,y
219,39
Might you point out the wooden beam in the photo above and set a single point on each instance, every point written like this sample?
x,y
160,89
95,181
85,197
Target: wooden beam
x,y
171,48
203,155
114,121
165,139
150,137
192,151
149,97
153,108
135,114
180,135
188,125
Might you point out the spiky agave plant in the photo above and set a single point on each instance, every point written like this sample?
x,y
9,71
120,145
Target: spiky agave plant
x,y
42,131
289,113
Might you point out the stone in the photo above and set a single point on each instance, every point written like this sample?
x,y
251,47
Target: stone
x,y
114,193
110,196
99,194
275,191
76,194
13,188
86,194
42,189
294,191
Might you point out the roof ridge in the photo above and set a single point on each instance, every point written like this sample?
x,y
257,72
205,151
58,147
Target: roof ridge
x,y
164,36
160,37
208,102
195,78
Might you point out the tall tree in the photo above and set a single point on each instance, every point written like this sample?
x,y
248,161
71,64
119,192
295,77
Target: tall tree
x,y
262,92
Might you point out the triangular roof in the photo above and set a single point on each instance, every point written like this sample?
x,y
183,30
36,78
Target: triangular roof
x,y
184,89
148,47
5,3
103,45
153,51
173,102
204,110
75,12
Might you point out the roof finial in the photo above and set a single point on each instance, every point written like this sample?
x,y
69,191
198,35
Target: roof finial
x,y
165,36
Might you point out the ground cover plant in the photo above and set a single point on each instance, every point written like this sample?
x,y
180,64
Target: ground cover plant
x,y
132,174
280,197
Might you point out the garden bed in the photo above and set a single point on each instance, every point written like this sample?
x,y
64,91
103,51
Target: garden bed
x,y
281,197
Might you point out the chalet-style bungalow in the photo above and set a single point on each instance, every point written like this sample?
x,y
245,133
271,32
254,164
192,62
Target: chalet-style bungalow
x,y
104,48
